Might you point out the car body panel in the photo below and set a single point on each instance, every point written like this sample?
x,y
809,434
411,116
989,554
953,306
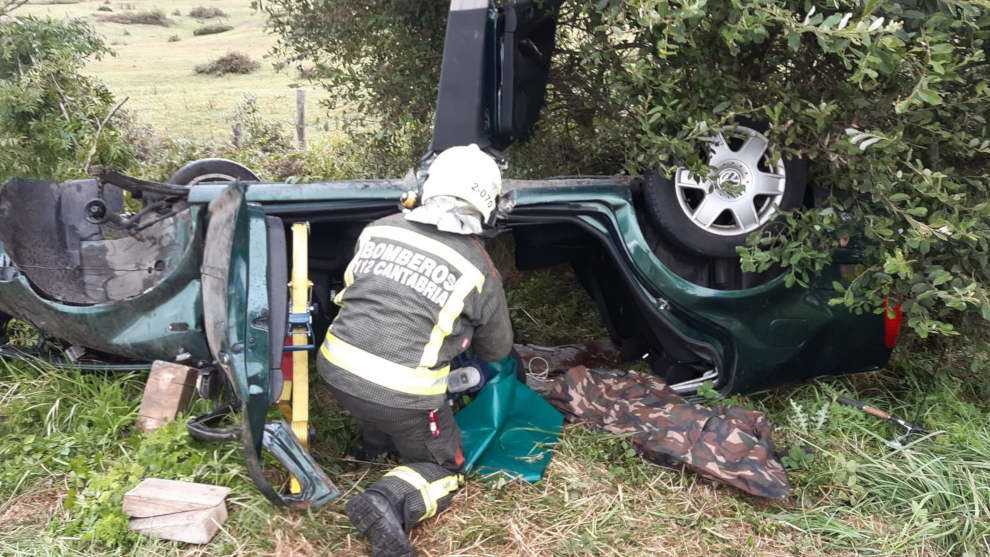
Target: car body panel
x,y
236,314
765,335
758,337
163,321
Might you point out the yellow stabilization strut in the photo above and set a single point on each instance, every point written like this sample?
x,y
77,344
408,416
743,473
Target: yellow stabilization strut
x,y
299,289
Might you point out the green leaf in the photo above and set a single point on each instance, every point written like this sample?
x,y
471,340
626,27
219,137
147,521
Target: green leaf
x,y
929,96
794,41
941,277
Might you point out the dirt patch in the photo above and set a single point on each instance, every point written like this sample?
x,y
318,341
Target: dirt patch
x,y
31,508
288,541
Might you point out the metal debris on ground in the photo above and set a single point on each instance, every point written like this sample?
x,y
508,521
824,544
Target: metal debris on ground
x,y
910,428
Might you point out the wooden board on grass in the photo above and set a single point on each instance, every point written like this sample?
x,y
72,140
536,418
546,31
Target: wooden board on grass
x,y
168,391
153,497
197,527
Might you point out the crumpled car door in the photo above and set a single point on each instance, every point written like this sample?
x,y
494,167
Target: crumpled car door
x,y
236,320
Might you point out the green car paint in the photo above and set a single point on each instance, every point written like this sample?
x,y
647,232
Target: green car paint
x,y
236,315
219,293
751,332
763,336
165,322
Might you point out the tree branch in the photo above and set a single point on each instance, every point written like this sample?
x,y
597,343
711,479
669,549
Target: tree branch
x,y
7,6
99,130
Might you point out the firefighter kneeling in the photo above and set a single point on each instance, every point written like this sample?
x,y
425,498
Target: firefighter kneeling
x,y
420,291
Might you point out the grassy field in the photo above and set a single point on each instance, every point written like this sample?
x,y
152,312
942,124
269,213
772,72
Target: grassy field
x,y
158,75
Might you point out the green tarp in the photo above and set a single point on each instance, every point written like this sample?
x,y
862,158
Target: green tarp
x,y
508,429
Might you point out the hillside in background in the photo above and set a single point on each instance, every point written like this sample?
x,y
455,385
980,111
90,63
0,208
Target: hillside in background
x,y
158,74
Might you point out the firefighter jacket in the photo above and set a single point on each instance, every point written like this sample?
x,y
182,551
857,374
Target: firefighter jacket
x,y
413,299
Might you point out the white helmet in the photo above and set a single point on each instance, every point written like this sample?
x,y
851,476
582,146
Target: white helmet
x,y
467,173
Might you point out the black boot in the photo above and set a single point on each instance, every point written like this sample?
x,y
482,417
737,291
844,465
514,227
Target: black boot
x,y
362,453
373,516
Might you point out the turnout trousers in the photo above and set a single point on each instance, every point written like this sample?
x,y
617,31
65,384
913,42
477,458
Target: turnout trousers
x,y
431,471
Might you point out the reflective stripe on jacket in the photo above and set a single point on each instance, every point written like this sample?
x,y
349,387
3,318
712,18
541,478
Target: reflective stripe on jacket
x,y
414,298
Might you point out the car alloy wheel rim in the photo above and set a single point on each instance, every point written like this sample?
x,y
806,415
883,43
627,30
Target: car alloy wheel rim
x,y
743,190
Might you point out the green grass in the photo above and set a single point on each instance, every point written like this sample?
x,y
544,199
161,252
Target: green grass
x,y
158,76
68,452
571,318
860,486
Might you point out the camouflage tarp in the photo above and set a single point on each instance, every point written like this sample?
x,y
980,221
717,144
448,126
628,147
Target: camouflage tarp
x,y
724,443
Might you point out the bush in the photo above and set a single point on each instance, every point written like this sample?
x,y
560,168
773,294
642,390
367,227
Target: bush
x,y
174,39
153,17
344,45
44,97
206,12
887,101
104,9
258,132
7,6
212,29
232,62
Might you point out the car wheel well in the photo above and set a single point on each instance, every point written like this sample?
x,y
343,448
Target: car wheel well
x,y
636,334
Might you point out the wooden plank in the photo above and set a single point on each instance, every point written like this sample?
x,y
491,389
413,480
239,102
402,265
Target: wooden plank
x,y
168,391
197,527
155,496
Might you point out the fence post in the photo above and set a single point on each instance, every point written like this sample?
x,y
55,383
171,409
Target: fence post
x,y
301,118
238,134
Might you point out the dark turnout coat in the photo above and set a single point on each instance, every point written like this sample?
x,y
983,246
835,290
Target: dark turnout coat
x,y
414,299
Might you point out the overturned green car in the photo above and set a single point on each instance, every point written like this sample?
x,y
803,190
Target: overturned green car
x,y
200,279
199,274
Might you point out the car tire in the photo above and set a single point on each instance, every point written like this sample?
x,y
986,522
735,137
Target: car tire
x,y
212,170
706,220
